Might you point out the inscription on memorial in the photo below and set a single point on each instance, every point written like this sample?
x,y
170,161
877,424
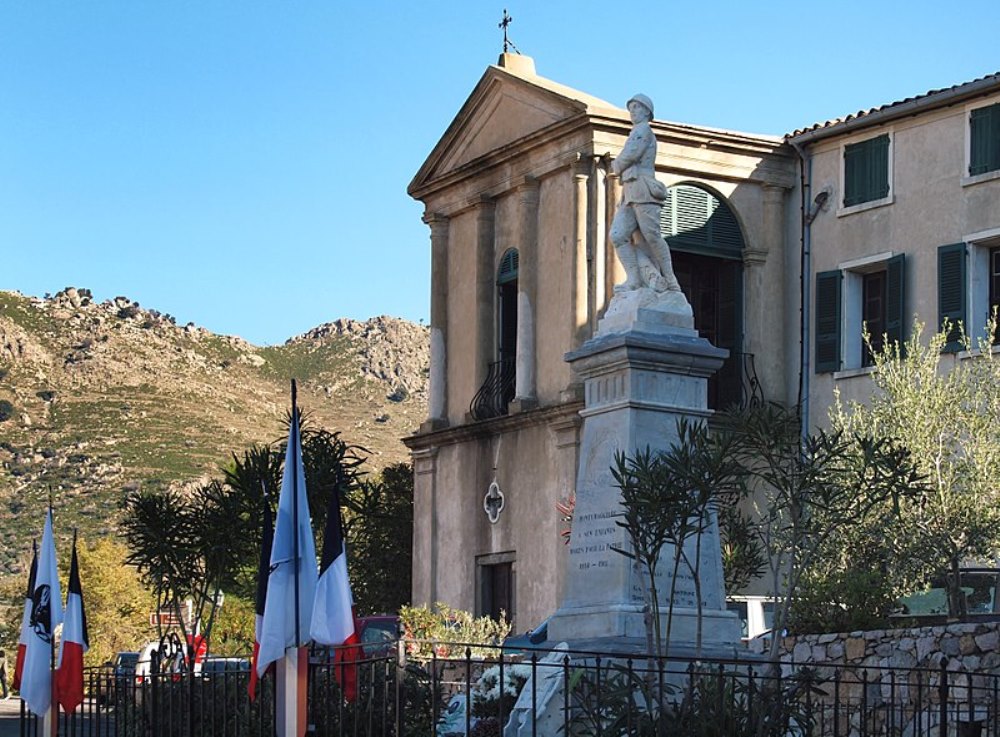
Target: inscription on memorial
x,y
594,538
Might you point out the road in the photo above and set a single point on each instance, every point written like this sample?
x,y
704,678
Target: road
x,y
10,714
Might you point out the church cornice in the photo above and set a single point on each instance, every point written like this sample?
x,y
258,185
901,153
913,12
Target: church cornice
x,y
555,417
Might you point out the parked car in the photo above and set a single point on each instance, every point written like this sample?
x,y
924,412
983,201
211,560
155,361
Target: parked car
x,y
929,605
378,634
214,667
123,666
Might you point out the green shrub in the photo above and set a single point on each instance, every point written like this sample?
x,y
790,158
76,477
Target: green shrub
x,y
446,632
6,410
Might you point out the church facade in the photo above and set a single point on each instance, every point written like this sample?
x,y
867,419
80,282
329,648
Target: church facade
x,y
889,214
519,197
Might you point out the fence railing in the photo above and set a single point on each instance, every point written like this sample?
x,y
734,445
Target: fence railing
x,y
552,693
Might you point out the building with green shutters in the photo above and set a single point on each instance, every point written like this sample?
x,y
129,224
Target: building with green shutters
x,y
887,213
903,221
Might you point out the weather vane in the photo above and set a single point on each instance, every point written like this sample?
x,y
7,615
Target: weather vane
x,y
504,23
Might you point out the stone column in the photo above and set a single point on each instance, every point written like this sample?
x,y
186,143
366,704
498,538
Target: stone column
x,y
598,238
437,415
765,289
485,287
615,272
579,309
525,389
425,527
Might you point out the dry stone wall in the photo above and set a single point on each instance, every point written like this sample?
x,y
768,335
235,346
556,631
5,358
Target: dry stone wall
x,y
972,647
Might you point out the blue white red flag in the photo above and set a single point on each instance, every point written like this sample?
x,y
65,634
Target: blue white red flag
x,y
74,643
291,581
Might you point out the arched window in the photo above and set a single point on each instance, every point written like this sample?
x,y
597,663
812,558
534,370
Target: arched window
x,y
706,245
497,391
507,306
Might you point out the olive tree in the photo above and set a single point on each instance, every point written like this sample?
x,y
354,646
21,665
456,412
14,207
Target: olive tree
x,y
946,408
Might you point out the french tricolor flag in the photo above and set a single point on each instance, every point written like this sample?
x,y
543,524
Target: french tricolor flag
x,y
333,610
22,641
74,643
263,566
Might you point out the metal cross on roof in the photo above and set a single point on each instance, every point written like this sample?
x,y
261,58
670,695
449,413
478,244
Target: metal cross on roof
x,y
504,23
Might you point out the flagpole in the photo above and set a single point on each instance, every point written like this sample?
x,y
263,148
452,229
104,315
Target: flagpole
x,y
52,716
295,508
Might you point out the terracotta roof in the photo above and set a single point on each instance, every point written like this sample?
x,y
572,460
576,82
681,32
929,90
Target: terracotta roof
x,y
926,100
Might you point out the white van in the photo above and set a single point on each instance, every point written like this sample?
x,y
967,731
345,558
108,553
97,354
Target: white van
x,y
756,615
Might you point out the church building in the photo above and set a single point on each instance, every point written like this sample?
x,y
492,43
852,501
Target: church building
x,y
890,214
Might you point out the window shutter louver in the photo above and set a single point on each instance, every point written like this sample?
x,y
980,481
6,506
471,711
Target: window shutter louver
x,y
696,221
984,139
853,169
879,163
895,299
866,170
828,321
951,291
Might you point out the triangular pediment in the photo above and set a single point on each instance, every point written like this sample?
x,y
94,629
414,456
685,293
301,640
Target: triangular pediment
x,y
503,109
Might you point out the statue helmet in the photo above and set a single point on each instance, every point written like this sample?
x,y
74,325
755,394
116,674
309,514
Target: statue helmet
x,y
642,100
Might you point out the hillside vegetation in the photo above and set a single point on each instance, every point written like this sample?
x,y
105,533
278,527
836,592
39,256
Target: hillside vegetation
x,y
97,398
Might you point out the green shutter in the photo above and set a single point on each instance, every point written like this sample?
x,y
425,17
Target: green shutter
x,y
828,321
854,155
878,153
984,139
866,170
895,299
508,267
952,291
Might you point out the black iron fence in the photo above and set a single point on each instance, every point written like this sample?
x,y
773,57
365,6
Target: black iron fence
x,y
552,693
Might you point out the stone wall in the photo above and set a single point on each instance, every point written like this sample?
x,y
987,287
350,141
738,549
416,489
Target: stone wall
x,y
975,646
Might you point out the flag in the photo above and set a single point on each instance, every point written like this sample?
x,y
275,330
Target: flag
x,y
22,641
263,564
73,644
333,612
46,615
291,580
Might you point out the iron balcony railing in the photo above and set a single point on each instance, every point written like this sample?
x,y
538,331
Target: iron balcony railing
x,y
736,384
496,392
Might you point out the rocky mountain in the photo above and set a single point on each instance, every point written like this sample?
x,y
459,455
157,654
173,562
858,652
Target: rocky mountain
x,y
98,398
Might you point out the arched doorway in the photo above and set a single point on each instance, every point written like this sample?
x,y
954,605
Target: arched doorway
x,y
706,245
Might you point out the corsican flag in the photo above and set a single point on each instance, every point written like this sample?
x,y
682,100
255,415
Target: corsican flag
x,y
263,565
73,644
46,615
333,613
22,641
291,581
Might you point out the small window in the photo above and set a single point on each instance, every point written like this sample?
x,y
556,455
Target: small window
x,y
995,286
968,288
863,294
984,139
866,171
873,314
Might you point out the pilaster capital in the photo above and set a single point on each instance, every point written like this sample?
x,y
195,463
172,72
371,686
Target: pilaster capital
x,y
527,188
435,220
483,204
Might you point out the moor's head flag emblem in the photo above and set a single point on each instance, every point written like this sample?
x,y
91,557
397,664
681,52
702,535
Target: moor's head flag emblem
x,y
41,612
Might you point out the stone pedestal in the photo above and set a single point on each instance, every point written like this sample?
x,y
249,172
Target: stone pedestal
x,y
645,369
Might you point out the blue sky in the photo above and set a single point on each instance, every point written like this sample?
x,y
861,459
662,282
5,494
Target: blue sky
x,y
243,165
